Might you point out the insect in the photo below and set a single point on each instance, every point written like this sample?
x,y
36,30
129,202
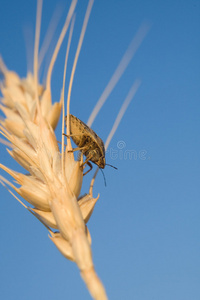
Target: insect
x,y
88,142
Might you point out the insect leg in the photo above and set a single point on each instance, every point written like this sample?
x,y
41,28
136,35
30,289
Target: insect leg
x,y
69,135
87,160
90,165
77,149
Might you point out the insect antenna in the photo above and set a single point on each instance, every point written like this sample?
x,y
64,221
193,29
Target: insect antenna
x,y
112,166
103,176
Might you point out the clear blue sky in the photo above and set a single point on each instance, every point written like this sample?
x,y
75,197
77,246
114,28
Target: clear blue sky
x,y
146,225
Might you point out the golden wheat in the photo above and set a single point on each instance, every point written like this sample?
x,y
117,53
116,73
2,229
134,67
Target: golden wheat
x,y
54,180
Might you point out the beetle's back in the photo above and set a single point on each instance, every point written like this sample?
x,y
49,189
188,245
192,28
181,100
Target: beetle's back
x,y
84,136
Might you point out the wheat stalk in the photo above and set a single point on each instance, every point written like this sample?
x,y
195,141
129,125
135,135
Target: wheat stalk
x,y
53,183
54,179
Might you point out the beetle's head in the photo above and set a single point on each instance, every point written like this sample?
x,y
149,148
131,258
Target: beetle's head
x,y
102,162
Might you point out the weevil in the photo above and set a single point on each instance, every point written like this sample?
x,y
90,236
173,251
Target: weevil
x,y
88,142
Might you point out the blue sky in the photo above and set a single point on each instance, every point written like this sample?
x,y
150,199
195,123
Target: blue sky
x,y
145,227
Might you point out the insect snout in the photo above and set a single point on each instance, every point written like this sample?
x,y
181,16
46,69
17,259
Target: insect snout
x,y
102,162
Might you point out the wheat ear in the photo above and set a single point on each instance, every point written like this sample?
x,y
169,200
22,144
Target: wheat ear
x,y
53,183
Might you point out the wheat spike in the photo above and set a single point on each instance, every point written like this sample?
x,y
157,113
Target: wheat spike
x,y
53,183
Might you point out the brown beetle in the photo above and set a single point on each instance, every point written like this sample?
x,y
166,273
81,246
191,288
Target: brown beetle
x,y
88,142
